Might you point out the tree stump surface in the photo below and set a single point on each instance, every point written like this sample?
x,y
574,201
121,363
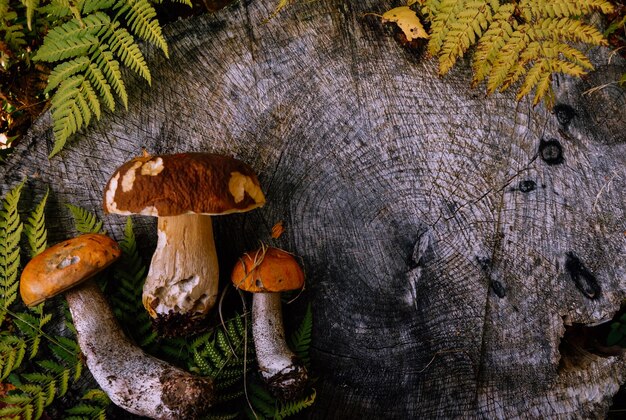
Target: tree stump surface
x,y
448,239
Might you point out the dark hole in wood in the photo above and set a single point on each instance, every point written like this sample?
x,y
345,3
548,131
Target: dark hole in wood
x,y
581,344
484,262
581,276
527,185
498,288
551,151
564,114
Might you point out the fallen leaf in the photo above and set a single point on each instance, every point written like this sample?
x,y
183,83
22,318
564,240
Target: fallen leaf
x,y
408,21
277,230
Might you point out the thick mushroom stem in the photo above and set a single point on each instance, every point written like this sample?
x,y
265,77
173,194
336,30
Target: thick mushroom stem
x,y
182,283
134,380
283,372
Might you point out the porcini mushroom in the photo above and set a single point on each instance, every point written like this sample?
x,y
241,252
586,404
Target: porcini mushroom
x,y
183,191
133,380
267,272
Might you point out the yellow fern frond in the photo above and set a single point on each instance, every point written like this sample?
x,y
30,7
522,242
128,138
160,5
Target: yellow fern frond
x,y
533,77
463,33
492,41
574,56
539,9
444,16
544,90
507,62
568,30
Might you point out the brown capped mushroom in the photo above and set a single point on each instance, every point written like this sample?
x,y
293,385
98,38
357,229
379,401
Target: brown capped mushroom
x,y
183,191
133,380
267,272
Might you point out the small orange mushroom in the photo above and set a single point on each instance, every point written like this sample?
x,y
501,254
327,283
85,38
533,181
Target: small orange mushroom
x,y
267,272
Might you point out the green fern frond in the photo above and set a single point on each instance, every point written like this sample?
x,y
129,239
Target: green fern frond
x,y
300,339
99,82
110,67
31,327
92,405
72,108
12,352
73,39
31,6
89,43
94,5
11,31
291,408
269,408
130,275
84,220
62,374
10,234
221,353
261,400
35,228
65,70
202,366
55,10
124,46
35,397
69,110
141,18
4,7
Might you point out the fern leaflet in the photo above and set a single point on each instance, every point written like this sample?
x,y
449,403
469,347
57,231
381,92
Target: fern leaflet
x,y
92,405
10,234
123,45
130,274
84,220
300,339
141,18
12,352
31,327
35,228
269,408
110,68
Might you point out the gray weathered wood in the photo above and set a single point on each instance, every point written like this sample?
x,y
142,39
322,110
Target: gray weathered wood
x,y
444,255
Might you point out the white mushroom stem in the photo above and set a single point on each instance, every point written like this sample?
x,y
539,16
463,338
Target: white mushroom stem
x,y
280,368
133,380
184,273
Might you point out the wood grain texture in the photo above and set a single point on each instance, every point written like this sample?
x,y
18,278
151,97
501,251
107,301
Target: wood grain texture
x,y
447,237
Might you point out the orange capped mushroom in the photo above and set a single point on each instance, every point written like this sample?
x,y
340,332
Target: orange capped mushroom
x,y
133,380
267,272
65,265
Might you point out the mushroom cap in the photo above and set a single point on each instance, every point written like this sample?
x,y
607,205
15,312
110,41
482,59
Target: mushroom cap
x,y
169,185
66,264
267,270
